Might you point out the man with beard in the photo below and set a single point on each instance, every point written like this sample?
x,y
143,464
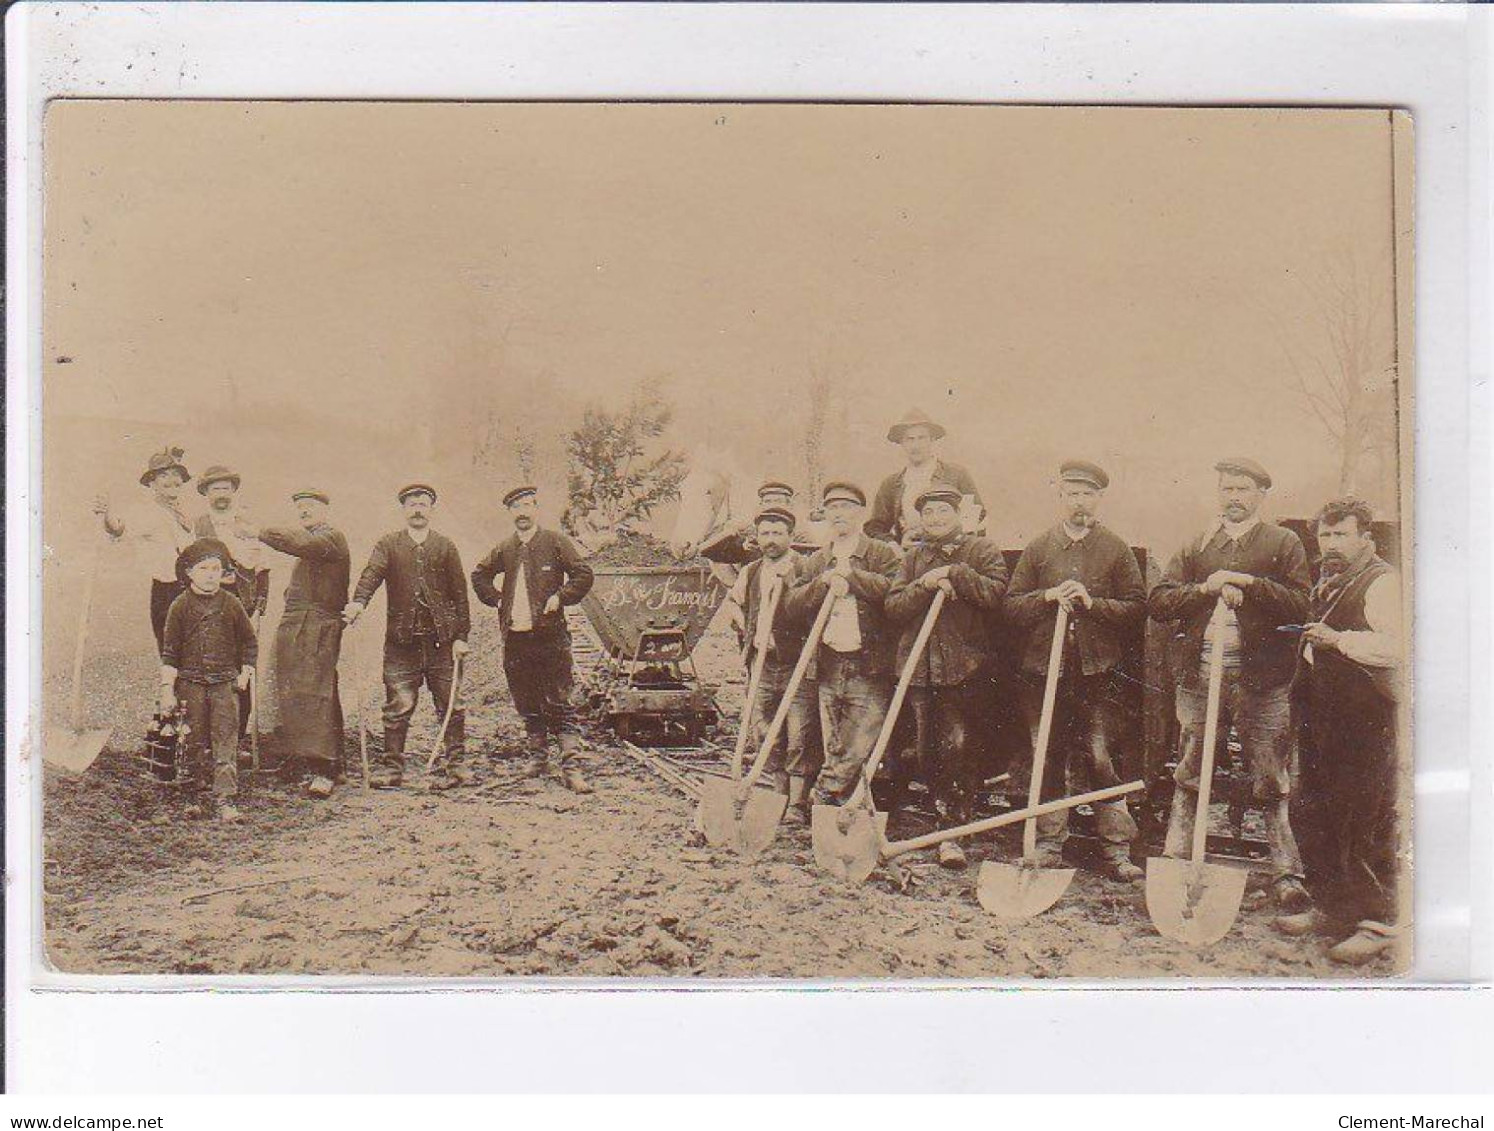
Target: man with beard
x,y
1085,569
952,679
246,579
309,638
795,757
1346,811
1260,572
542,572
161,528
894,517
425,633
852,667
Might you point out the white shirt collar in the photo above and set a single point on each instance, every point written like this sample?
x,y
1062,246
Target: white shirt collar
x,y
424,534
1234,530
1068,532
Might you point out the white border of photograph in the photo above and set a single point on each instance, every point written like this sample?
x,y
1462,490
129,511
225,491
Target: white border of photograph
x,y
77,1032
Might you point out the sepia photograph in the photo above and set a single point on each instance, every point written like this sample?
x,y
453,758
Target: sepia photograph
x,y
726,541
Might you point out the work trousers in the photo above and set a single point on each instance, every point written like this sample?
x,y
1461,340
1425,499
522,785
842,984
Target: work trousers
x,y
538,668
852,700
795,751
1262,718
212,747
1084,746
423,661
948,745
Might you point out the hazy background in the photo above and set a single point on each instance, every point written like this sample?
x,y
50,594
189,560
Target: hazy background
x,y
358,294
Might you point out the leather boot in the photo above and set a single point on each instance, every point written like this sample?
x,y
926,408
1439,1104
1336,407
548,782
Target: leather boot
x,y
538,764
1117,831
1365,945
570,771
797,812
390,769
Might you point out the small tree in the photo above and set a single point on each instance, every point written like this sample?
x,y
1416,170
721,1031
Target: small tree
x,y
615,479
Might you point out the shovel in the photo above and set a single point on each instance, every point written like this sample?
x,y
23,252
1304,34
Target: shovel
x,y
732,812
755,679
254,701
75,749
1193,901
1019,891
846,837
456,689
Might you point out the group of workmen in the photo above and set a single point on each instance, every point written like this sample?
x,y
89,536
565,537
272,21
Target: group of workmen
x,y
1310,679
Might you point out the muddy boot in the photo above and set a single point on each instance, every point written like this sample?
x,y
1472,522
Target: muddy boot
x,y
570,770
1365,945
796,814
389,770
1179,843
537,764
1117,831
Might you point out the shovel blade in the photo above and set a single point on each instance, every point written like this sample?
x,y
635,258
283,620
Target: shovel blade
x,y
716,815
847,841
1193,903
73,750
1013,892
759,823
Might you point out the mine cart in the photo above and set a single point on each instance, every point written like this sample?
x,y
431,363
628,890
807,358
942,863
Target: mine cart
x,y
647,621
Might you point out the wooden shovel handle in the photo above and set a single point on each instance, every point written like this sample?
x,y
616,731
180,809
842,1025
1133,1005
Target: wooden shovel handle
x,y
780,716
85,605
254,696
928,840
754,681
456,687
1211,732
905,680
1045,731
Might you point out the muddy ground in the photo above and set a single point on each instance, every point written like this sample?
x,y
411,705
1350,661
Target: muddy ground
x,y
523,878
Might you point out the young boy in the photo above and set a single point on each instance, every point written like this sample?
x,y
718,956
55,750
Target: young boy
x,y
207,652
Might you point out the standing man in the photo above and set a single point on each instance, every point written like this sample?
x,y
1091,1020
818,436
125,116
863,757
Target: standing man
x,y
309,638
1346,809
1083,568
852,667
161,527
425,633
795,757
894,516
951,679
1260,572
246,578
542,572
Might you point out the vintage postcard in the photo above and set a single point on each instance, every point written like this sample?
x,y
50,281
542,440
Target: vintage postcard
x,y
720,541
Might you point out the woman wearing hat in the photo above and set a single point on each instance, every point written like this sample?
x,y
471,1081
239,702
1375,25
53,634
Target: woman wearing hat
x,y
160,528
894,516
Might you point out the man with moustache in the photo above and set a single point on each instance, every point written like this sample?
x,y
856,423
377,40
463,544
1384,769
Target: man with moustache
x,y
309,637
894,516
1346,808
951,681
247,578
425,633
795,756
1260,572
1083,568
852,667
542,572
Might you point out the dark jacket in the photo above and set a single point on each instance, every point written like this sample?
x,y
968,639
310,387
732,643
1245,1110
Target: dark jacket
x,y
874,567
208,638
788,634
960,643
1275,557
1107,568
321,575
554,565
427,587
886,521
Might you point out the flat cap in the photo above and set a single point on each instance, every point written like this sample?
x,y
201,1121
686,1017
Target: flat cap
x,y
200,551
1082,471
841,489
1239,465
775,487
776,514
939,494
417,489
311,493
912,418
217,474
523,492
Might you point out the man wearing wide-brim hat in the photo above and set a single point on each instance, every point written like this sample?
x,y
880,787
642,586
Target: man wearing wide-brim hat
x,y
309,638
426,628
1082,567
162,529
852,667
951,683
894,515
1259,571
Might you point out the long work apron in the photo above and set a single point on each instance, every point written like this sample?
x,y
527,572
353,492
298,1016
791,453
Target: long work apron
x,y
307,644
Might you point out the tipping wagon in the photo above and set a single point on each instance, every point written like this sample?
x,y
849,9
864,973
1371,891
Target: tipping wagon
x,y
647,621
